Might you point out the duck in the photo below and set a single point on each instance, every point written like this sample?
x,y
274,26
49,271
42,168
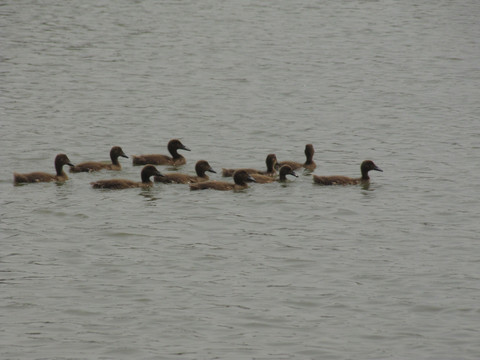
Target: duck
x,y
270,161
156,159
240,177
201,167
116,184
309,164
283,172
60,161
365,167
90,166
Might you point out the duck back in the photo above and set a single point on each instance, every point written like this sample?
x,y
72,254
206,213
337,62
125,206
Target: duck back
x,y
262,179
38,176
116,184
215,185
335,180
175,178
91,166
158,159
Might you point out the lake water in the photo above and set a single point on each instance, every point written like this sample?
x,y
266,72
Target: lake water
x,y
294,271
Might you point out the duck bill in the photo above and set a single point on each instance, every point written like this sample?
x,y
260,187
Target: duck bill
x,y
212,171
377,169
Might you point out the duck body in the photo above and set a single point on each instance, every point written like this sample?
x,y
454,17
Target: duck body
x,y
309,164
201,167
365,167
91,166
60,161
270,161
262,179
116,184
157,159
240,177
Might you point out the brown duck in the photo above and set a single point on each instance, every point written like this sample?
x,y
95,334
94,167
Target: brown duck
x,y
116,184
156,159
90,166
366,166
309,164
60,160
201,167
283,172
240,177
270,161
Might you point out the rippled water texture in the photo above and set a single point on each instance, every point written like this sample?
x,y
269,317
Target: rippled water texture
x,y
293,271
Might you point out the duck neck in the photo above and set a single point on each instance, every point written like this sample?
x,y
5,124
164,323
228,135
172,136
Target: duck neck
x,y
309,158
114,160
271,166
146,178
240,182
173,151
365,175
59,169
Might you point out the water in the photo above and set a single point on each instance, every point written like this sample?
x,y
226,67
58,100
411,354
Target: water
x,y
293,271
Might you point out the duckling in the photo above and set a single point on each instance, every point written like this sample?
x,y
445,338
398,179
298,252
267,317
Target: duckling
x,y
270,161
200,168
156,159
90,166
366,166
240,177
309,164
60,160
284,171
147,172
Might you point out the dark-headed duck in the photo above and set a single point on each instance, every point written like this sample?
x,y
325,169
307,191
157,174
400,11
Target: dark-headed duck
x,y
201,167
366,166
271,162
60,160
90,166
309,164
284,171
157,159
147,172
240,177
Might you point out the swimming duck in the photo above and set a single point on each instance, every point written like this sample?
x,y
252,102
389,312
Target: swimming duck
x,y
366,166
201,167
240,177
156,159
271,162
60,160
309,164
116,184
284,171
90,166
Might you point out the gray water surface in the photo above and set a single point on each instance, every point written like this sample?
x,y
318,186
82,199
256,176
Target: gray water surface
x,y
293,271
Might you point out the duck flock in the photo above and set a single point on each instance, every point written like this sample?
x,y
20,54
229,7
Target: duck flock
x,y
275,171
